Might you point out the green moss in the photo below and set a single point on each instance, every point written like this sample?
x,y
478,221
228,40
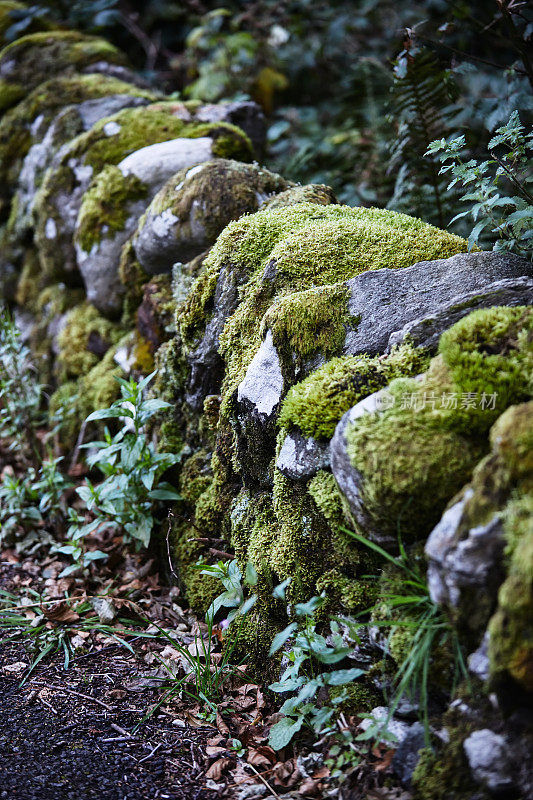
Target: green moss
x,y
83,340
490,352
38,57
311,193
317,404
140,127
196,476
511,629
317,245
325,492
361,698
29,283
249,641
349,594
104,210
304,246
200,590
133,278
410,468
309,322
445,775
415,456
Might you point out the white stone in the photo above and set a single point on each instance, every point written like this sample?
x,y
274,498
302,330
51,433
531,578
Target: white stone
x,y
50,229
263,383
112,128
156,163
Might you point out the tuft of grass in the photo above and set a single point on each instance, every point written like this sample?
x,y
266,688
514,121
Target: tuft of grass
x,y
46,632
429,630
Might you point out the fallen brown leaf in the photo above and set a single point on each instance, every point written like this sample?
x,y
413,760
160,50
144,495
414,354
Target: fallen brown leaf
x,y
214,773
60,612
262,756
221,725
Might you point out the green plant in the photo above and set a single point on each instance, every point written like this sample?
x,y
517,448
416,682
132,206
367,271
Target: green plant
x,y
47,626
422,102
410,609
233,597
132,487
204,672
20,391
33,502
505,219
75,547
308,649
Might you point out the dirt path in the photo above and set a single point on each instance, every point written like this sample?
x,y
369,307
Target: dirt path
x,y
57,745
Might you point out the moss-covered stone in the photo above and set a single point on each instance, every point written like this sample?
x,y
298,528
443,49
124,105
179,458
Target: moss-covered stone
x,y
310,193
489,353
319,246
511,629
299,248
139,127
85,338
195,205
104,209
415,456
38,57
108,142
409,466
316,404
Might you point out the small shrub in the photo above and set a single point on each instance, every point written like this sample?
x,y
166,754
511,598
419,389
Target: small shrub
x,y
132,487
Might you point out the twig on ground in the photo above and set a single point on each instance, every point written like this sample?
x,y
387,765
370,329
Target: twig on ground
x,y
71,691
269,787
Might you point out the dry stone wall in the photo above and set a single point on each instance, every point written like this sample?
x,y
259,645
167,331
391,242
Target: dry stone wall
x,y
327,366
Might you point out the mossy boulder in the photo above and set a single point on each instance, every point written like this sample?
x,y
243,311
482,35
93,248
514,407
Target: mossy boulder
x,y
195,205
38,57
400,466
149,143
261,260
66,103
316,404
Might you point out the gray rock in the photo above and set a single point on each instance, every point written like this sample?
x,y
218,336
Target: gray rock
x,y
380,714
194,207
464,567
348,478
153,165
302,457
407,755
205,363
489,760
426,331
262,386
478,661
99,267
385,300
243,113
81,117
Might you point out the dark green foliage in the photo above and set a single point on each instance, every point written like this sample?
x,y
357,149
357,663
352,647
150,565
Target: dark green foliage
x,y
423,93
